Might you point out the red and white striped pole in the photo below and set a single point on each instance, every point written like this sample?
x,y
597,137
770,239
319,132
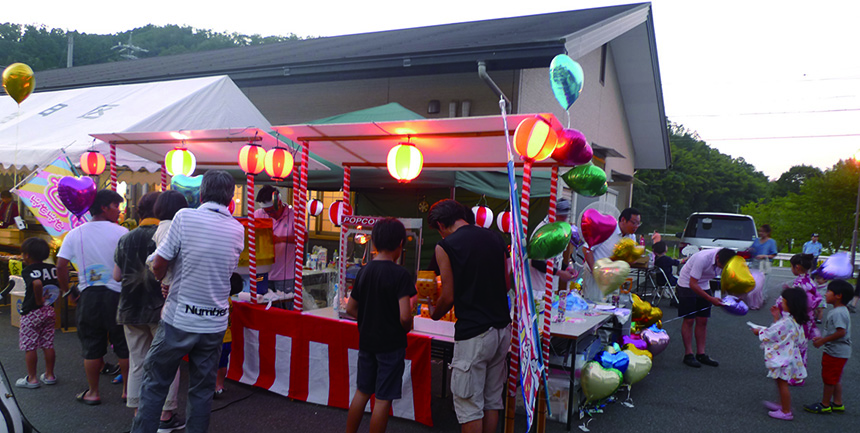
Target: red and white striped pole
x,y
547,296
113,167
163,177
252,239
302,227
347,210
513,371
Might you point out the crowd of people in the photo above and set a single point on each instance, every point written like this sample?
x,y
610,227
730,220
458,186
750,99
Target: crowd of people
x,y
161,291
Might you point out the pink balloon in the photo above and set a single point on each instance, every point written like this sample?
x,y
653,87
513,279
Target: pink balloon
x,y
77,193
573,149
597,227
656,338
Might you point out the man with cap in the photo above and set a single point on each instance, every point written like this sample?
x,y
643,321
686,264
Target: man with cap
x,y
813,247
562,273
282,275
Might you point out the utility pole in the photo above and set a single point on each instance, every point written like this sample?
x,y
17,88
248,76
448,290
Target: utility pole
x,y
665,214
737,208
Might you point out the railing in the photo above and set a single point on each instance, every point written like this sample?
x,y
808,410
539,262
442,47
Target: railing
x,y
786,257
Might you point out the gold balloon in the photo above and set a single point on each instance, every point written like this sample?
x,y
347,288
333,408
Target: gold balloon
x,y
637,368
736,278
18,81
610,275
627,250
629,347
644,314
598,382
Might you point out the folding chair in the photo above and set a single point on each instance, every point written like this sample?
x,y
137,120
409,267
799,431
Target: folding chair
x,y
663,288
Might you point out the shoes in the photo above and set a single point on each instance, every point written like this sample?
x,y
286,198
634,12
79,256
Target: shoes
x,y
705,359
174,423
110,369
796,382
691,361
817,408
117,380
769,405
80,398
24,382
779,414
840,408
47,381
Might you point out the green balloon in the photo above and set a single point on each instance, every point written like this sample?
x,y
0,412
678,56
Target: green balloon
x,y
549,240
588,180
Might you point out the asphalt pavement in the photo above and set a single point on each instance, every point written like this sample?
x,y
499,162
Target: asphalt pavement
x,y
672,398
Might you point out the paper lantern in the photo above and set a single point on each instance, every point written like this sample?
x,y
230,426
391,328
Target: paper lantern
x,y
405,162
180,161
92,163
315,207
535,139
503,221
278,163
335,213
483,216
252,158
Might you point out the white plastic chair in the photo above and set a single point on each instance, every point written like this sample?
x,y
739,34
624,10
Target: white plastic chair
x,y
663,287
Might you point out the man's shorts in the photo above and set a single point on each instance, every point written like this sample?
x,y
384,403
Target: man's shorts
x,y
692,305
478,373
381,373
37,329
831,369
96,314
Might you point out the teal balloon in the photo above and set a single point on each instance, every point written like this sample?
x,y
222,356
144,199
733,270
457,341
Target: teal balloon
x,y
566,78
189,186
549,240
588,180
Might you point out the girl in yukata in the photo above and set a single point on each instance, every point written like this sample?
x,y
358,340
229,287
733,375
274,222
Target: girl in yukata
x,y
800,266
781,342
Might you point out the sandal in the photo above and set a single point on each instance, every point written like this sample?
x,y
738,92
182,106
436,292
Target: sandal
x,y
80,398
117,380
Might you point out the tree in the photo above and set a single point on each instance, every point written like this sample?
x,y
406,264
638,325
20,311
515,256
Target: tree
x,y
824,204
793,179
701,179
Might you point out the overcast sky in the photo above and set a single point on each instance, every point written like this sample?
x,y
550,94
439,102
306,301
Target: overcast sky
x,y
774,82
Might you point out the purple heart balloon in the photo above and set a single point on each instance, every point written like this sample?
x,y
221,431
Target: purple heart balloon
x,y
635,341
735,306
576,237
656,338
837,266
77,193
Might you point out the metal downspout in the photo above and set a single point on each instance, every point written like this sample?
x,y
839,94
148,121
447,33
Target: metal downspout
x,y
482,72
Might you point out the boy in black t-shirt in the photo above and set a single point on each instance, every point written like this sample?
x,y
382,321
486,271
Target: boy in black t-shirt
x,y
665,262
37,313
381,302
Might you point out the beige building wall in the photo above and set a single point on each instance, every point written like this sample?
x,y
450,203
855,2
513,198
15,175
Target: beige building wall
x,y
298,103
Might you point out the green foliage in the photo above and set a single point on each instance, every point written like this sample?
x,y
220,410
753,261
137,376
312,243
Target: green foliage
x,y
42,48
824,204
701,179
793,179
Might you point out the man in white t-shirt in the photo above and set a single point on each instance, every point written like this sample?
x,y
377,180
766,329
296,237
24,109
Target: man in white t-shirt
x,y
90,247
194,317
628,222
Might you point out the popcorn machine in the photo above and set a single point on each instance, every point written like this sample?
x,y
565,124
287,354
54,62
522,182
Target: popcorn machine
x,y
356,249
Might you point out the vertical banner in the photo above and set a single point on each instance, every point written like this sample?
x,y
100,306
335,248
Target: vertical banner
x,y
40,194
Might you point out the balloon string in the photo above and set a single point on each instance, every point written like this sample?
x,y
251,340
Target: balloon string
x,y
568,117
688,314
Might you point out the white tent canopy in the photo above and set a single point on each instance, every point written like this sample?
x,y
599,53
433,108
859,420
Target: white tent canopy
x,y
46,122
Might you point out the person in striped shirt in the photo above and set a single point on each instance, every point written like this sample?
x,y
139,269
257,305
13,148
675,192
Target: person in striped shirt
x,y
204,245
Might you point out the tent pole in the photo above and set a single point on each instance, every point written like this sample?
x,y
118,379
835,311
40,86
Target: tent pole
x,y
113,167
252,239
302,233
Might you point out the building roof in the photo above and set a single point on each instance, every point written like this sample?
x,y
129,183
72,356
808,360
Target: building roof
x,y
508,43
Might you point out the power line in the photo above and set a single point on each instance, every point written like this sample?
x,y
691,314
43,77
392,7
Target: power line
x,y
789,137
766,113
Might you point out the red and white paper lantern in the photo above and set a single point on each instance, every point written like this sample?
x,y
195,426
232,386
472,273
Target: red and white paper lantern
x,y
503,222
335,213
315,207
483,216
